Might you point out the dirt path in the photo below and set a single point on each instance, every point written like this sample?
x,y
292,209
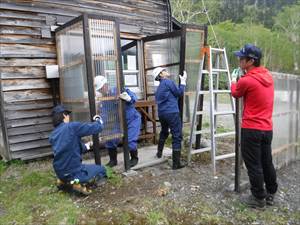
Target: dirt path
x,y
190,196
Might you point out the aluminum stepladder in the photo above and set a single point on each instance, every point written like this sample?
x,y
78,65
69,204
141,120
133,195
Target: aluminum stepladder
x,y
217,65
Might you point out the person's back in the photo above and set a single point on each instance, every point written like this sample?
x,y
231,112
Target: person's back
x,y
131,112
257,87
166,97
67,147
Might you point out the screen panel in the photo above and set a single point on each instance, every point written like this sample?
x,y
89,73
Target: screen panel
x,y
103,46
72,69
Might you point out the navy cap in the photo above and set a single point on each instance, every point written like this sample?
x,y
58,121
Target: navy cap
x,y
250,51
60,109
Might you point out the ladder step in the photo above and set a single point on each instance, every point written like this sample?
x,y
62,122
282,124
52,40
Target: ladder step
x,y
219,70
225,134
219,157
224,113
200,150
217,49
203,92
221,91
202,132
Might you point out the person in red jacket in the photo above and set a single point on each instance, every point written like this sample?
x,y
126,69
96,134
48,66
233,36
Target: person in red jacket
x,y
256,87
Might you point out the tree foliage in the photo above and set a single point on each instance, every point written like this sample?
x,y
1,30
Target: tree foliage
x,y
273,25
288,22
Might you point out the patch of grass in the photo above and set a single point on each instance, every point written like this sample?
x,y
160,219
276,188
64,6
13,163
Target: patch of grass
x,y
3,166
113,178
32,198
295,216
205,125
204,157
156,217
222,129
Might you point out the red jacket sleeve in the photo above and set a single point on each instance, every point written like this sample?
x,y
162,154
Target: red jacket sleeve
x,y
239,89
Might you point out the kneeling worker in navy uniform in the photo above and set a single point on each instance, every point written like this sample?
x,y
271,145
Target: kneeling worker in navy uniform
x,y
68,148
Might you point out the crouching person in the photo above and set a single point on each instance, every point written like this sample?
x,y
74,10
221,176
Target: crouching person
x,y
68,148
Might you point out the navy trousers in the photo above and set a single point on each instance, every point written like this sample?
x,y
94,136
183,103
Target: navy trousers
x,y
171,121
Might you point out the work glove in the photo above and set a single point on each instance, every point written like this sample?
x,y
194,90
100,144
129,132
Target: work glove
x,y
183,78
88,145
98,119
235,75
125,96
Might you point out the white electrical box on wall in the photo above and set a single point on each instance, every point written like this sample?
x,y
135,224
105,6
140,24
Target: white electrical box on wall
x,y
52,71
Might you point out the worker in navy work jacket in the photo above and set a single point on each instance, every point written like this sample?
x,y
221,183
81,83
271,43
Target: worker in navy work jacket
x,y
133,119
256,86
166,97
68,148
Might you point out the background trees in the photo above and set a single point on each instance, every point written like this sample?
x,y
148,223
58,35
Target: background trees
x,y
273,25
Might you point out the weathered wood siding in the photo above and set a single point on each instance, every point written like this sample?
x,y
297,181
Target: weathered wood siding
x,y
28,45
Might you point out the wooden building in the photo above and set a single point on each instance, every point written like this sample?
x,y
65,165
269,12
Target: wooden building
x,y
28,46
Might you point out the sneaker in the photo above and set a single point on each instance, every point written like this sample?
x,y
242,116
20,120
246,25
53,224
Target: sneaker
x,y
254,202
270,199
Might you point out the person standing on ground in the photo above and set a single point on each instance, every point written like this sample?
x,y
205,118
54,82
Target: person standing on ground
x,y
166,97
133,119
256,87
68,149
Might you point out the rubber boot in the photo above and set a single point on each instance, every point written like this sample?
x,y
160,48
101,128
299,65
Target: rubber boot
x,y
176,160
160,148
112,157
134,158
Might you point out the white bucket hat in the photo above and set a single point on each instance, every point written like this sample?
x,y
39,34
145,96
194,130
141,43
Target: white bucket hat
x,y
99,82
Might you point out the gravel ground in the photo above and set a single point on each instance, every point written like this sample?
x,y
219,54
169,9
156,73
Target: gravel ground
x,y
192,189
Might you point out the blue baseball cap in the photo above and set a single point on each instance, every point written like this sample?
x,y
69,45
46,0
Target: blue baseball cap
x,y
60,109
249,50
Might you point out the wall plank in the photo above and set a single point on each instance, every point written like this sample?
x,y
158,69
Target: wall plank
x,y
21,22
30,129
32,153
22,72
27,114
17,84
28,122
28,137
28,95
19,15
20,30
25,51
25,39
26,62
32,144
30,105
